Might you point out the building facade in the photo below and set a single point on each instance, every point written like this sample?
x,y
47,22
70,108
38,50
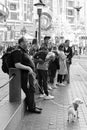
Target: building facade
x,y
20,19
64,18
67,21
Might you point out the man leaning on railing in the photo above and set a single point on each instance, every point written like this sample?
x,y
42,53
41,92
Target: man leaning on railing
x,y
23,62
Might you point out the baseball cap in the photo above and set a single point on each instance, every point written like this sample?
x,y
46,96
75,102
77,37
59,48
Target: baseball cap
x,y
47,37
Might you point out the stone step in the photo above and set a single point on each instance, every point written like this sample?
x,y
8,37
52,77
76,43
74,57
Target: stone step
x,y
11,114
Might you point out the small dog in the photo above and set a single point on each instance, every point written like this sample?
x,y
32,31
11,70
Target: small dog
x,y
50,56
73,110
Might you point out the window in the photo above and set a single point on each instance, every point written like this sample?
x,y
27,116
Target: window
x,y
71,20
25,17
70,12
60,10
70,3
14,15
13,6
25,7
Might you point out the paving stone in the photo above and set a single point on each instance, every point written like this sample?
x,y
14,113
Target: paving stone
x,y
54,115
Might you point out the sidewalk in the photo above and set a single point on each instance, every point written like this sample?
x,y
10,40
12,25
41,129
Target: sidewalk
x,y
80,56
54,115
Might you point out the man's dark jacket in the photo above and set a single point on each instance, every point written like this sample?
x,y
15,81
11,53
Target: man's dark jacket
x,y
69,56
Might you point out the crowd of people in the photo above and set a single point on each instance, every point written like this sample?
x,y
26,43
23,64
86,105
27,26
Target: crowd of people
x,y
41,65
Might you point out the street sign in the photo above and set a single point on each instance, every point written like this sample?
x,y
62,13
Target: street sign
x,y
46,20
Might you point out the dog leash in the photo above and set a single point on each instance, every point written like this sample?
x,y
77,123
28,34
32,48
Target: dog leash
x,y
59,105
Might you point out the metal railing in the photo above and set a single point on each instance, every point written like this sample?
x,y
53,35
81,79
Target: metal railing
x,y
13,75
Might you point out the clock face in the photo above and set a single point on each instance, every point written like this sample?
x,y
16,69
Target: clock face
x,y
46,21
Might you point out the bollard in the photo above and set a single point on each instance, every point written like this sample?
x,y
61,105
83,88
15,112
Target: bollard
x,y
15,85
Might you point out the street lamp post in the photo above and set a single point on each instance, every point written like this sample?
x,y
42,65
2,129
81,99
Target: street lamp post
x,y
39,6
77,8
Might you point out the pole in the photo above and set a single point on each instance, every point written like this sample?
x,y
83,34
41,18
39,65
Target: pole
x,y
77,22
85,15
77,25
39,11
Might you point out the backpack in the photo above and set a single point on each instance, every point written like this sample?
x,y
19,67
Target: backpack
x,y
7,61
39,57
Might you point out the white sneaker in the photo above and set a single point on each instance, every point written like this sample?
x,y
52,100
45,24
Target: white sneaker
x,y
62,84
48,97
54,87
65,83
49,88
42,95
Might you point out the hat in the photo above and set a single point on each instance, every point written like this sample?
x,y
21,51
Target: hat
x,y
22,39
47,37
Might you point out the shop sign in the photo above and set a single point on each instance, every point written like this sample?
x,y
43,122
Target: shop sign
x,y
46,20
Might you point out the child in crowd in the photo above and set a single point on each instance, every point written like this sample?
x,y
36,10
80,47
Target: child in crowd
x,y
63,68
53,67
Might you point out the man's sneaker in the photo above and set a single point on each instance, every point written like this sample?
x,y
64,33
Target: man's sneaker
x,y
42,95
35,111
58,83
65,83
49,87
54,87
48,97
62,84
